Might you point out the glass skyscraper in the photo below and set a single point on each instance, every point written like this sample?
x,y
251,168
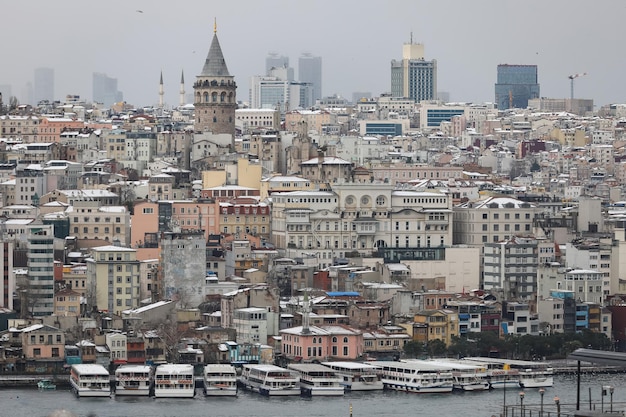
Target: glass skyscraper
x,y
310,71
516,85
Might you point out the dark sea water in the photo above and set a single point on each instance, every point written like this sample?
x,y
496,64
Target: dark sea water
x,y
34,403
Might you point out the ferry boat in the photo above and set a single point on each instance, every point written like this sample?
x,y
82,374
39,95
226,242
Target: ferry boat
x,y
317,380
174,381
466,377
219,380
415,376
90,380
269,380
526,374
133,380
357,376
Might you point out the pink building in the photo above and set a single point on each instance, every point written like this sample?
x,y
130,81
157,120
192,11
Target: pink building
x,y
43,342
336,342
145,220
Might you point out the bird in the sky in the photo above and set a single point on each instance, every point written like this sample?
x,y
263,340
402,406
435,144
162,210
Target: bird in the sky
x,y
139,11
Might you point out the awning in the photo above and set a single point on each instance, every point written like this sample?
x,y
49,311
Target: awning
x,y
598,356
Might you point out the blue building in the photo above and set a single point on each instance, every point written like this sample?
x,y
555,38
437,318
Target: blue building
x,y
516,84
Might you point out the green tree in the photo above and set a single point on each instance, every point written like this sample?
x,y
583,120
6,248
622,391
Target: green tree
x,y
436,348
414,349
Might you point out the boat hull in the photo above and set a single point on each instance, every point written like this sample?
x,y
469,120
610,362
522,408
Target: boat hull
x,y
503,384
477,386
174,393
139,392
278,392
537,382
322,391
221,392
441,389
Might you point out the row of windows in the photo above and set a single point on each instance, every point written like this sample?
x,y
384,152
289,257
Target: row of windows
x,y
97,220
507,216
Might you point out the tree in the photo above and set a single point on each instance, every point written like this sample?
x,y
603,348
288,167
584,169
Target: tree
x,y
414,349
436,348
171,334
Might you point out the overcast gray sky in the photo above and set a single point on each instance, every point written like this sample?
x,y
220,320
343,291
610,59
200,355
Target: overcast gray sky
x,y
356,39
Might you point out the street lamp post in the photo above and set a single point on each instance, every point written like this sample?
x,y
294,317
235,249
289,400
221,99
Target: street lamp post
x,y
521,402
541,392
557,401
611,389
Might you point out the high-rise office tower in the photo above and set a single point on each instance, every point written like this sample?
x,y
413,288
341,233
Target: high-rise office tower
x,y
215,94
105,90
274,60
5,92
516,85
310,71
414,77
44,85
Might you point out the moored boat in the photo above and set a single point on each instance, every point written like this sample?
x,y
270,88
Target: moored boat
x,y
269,380
357,376
46,384
220,380
526,374
317,380
90,380
415,376
174,381
133,380
466,376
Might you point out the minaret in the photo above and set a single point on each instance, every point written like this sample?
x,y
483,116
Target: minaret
x,y
182,89
306,314
161,92
215,94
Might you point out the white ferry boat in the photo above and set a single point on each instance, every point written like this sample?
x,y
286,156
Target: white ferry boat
x,y
357,376
90,380
220,380
174,381
527,374
269,380
415,376
133,380
316,380
466,376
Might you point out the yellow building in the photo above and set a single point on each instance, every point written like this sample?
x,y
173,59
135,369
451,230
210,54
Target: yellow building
x,y
113,274
75,277
442,324
67,302
242,173
573,137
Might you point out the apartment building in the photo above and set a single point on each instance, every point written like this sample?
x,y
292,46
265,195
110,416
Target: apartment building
x,y
113,274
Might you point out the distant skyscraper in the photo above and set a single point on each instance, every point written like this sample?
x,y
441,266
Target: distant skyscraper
x,y
516,85
105,90
215,94
5,90
274,60
413,76
310,71
44,85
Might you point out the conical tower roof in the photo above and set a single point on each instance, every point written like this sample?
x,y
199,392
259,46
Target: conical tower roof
x,y
215,65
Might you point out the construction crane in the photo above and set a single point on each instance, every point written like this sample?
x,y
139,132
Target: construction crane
x,y
571,80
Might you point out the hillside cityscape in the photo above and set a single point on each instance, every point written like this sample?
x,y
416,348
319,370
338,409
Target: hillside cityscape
x,y
291,226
